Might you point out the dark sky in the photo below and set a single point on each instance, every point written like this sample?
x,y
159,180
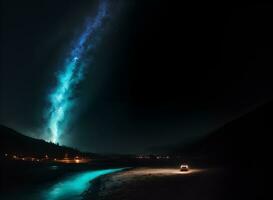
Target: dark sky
x,y
164,72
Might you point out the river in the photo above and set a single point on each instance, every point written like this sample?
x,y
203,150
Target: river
x,y
70,187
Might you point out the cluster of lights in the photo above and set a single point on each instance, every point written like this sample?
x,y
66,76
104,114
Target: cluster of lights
x,y
158,157
23,158
46,158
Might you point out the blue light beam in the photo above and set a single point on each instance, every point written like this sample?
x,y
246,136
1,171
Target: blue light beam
x,y
61,98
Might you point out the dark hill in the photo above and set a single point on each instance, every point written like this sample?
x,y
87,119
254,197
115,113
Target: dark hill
x,y
246,140
243,148
12,142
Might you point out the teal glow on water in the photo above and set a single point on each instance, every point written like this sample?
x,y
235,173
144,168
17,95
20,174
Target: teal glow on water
x,y
72,187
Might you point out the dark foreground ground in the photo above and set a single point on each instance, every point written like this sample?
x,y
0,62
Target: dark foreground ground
x,y
156,183
151,180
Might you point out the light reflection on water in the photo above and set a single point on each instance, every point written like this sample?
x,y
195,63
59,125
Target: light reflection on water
x,y
73,186
54,167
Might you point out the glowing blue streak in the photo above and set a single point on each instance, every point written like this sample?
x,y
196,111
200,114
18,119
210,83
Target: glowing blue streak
x,y
61,99
74,186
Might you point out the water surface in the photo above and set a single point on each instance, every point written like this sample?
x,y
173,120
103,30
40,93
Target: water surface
x,y
72,187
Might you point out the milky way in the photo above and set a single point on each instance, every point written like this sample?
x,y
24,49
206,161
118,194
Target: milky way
x,y
62,96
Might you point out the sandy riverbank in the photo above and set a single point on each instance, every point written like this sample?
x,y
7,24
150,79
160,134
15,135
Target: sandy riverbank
x,y
160,183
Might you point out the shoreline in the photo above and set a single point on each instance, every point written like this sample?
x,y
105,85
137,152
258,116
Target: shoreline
x,y
98,185
144,183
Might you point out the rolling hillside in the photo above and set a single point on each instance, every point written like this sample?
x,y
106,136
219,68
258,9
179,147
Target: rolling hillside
x,y
246,140
16,143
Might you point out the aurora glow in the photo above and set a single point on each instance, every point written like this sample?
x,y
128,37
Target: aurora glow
x,y
62,97
73,186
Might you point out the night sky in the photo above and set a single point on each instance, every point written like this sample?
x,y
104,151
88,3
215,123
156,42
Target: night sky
x,y
162,72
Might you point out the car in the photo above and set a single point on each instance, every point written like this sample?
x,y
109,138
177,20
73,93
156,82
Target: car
x,y
184,168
